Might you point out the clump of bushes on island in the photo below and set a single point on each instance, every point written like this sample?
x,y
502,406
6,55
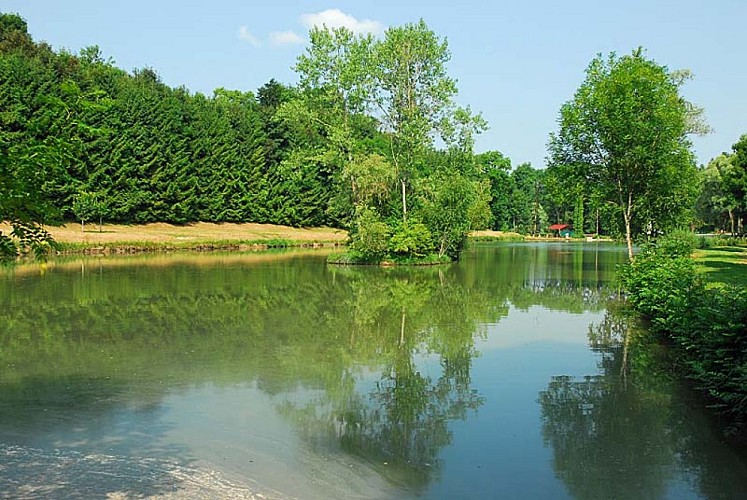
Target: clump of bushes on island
x,y
375,241
705,325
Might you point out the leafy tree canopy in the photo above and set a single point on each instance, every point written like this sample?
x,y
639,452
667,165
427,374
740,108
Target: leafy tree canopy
x,y
626,133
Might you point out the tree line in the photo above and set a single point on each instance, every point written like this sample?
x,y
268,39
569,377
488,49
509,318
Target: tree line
x,y
370,140
722,203
81,138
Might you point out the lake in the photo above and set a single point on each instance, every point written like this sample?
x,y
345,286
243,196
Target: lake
x,y
515,373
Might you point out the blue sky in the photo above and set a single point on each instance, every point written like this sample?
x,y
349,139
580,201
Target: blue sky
x,y
516,61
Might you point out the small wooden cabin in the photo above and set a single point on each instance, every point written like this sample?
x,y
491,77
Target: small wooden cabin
x,y
563,230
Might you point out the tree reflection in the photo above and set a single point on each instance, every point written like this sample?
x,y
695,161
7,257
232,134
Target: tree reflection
x,y
370,363
621,434
600,451
423,328
608,433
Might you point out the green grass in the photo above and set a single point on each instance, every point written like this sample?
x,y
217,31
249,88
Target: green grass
x,y
723,265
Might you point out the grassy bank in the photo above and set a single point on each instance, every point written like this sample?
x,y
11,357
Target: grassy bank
x,y
119,238
723,265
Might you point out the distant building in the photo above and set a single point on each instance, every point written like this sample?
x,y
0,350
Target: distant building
x,y
563,230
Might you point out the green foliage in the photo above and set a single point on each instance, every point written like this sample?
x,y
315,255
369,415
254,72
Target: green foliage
x,y
87,206
26,236
705,242
36,121
394,173
506,237
447,201
722,204
708,326
525,209
10,24
372,179
413,93
727,241
357,134
495,168
678,243
371,237
411,238
578,217
149,152
624,134
660,285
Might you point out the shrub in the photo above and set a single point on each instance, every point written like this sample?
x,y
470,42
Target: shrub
x,y
730,241
371,238
678,243
705,242
411,238
707,326
660,286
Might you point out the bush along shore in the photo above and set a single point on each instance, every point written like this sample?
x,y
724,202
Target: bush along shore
x,y
705,322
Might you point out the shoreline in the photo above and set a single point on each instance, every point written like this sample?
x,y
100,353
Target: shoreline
x,y
124,239
158,237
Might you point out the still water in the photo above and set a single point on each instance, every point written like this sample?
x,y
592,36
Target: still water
x,y
512,374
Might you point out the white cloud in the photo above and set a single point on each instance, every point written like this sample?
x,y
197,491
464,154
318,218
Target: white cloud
x,y
286,38
335,18
331,18
245,35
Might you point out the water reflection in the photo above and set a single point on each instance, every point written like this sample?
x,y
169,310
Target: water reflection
x,y
622,433
332,381
398,420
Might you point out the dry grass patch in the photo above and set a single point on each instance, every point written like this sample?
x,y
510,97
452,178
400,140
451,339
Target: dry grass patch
x,y
199,232
490,235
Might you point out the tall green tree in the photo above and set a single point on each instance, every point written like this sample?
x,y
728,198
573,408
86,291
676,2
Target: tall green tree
x,y
715,205
496,168
626,130
734,178
351,85
334,83
38,120
527,212
413,95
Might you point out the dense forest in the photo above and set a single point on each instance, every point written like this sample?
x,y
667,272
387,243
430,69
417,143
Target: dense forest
x,y
349,146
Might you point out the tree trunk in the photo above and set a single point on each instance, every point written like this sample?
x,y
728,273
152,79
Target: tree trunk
x,y
442,248
731,220
628,233
404,201
82,226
